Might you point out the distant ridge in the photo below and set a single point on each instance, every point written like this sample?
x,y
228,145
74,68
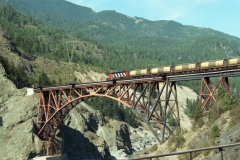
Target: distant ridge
x,y
112,19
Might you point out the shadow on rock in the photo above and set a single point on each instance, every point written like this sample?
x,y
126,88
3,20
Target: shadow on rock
x,y
79,145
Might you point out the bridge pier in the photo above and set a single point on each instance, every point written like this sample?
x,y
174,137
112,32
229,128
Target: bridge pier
x,y
208,90
171,89
161,101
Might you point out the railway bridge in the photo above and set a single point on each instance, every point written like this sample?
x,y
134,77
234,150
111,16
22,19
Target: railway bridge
x,y
151,98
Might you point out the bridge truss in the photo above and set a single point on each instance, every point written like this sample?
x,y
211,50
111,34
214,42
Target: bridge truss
x,y
152,99
208,90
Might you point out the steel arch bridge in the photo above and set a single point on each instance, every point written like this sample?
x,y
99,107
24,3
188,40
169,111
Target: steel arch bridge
x,y
56,102
151,98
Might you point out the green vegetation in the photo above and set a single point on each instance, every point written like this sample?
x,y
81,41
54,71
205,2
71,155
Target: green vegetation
x,y
234,114
225,102
176,141
194,112
29,37
14,73
97,25
171,120
215,131
125,49
153,148
43,80
92,44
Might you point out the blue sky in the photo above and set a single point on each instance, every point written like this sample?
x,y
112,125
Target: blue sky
x,y
220,15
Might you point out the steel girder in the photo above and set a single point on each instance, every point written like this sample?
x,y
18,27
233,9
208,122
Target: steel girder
x,y
153,101
208,90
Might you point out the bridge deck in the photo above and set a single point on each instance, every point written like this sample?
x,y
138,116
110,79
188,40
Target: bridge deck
x,y
196,76
176,77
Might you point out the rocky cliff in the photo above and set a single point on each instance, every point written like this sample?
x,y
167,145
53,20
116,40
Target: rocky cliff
x,y
17,134
78,136
86,133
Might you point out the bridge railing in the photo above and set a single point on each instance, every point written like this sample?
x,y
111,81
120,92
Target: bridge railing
x,y
219,148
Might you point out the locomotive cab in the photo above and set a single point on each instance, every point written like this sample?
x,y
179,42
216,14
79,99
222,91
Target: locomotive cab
x,y
117,75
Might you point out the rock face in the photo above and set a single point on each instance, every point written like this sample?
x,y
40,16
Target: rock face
x,y
86,135
142,138
27,65
117,136
79,138
17,134
231,136
123,139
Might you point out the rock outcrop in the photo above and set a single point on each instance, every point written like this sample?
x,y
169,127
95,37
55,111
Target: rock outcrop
x,y
87,130
17,134
142,138
229,137
79,138
117,136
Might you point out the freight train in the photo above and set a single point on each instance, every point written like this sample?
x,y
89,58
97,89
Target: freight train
x,y
177,69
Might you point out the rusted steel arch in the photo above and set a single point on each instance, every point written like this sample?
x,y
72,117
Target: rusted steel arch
x,y
54,104
208,90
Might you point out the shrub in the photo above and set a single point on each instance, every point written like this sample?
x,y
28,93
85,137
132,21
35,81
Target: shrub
x,y
215,131
153,148
216,109
171,120
234,114
178,140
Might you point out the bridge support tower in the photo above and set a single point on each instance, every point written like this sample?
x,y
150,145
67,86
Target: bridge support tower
x,y
208,90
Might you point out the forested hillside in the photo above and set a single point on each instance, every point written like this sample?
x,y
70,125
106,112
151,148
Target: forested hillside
x,y
108,40
134,39
65,14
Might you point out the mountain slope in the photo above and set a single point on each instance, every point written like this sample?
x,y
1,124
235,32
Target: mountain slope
x,y
107,48
111,19
49,7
